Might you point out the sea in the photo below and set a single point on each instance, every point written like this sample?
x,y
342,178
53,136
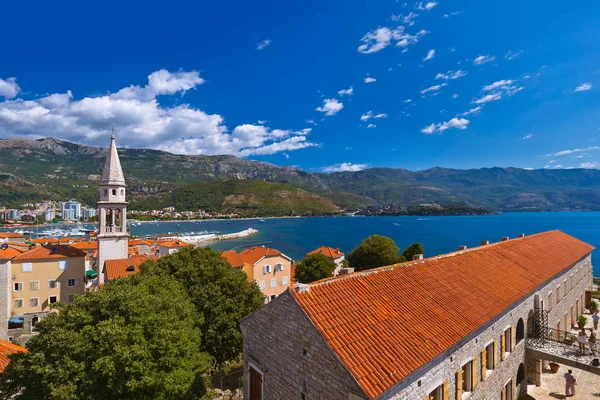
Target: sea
x,y
297,236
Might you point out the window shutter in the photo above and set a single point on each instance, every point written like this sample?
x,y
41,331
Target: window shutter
x,y
502,346
495,355
446,391
474,369
459,384
513,331
503,396
483,364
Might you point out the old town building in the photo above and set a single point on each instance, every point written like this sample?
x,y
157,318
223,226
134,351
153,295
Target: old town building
x,y
441,328
334,255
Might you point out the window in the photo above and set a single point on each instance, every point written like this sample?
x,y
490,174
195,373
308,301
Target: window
x,y
261,285
62,265
549,302
439,393
272,297
256,384
34,302
278,267
557,294
520,330
69,298
71,282
464,380
34,285
130,268
105,192
52,284
114,191
122,192
507,341
52,299
284,280
491,356
267,269
26,267
18,286
507,392
18,303
565,290
273,282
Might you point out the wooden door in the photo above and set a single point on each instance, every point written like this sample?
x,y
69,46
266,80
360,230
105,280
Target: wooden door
x,y
256,384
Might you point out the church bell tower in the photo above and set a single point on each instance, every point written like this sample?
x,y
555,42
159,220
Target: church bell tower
x,y
113,239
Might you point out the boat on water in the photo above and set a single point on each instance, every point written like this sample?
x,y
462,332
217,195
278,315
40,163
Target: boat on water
x,y
261,220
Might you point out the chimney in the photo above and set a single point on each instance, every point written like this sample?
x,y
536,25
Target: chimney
x,y
521,235
418,257
484,242
461,248
346,271
505,238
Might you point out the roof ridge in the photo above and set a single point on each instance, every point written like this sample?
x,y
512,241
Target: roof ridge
x,y
423,261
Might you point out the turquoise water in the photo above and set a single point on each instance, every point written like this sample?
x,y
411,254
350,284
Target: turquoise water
x,y
296,236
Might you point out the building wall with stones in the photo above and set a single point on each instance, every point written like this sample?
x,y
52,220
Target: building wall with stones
x,y
281,342
277,335
444,368
5,297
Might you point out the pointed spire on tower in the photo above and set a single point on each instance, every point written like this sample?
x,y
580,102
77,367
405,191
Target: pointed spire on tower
x,y
113,174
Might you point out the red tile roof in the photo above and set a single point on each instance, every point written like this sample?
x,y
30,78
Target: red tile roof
x,y
118,268
51,251
254,254
45,240
10,235
172,243
327,252
86,245
233,258
386,323
11,252
139,242
6,349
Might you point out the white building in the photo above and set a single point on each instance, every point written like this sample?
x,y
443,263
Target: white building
x,y
14,214
71,210
113,239
49,215
88,213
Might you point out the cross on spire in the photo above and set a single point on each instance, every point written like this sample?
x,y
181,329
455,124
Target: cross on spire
x,y
112,129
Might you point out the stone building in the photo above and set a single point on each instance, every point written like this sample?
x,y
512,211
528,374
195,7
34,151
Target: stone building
x,y
446,327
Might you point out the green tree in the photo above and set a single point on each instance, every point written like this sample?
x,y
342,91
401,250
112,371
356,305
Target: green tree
x,y
222,296
413,249
374,251
314,268
136,339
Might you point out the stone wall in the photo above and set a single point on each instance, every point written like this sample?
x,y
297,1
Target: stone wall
x,y
281,342
5,297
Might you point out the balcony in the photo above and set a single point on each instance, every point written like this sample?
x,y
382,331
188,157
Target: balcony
x,y
114,229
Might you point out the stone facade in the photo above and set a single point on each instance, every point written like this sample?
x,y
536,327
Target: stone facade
x,y
5,297
281,342
276,337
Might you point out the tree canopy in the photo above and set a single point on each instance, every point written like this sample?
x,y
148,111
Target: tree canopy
x,y
313,268
222,296
136,339
413,249
374,251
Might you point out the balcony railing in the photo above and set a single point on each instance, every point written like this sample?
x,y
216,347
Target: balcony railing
x,y
113,229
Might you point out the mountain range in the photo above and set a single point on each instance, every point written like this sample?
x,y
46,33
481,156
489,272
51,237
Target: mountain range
x,y
32,170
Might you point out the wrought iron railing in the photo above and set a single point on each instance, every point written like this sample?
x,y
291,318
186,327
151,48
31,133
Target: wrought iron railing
x,y
552,336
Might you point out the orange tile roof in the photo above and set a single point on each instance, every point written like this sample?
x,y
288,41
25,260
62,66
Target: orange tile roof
x,y
173,243
11,252
6,349
11,235
385,325
86,245
233,258
118,268
50,251
139,242
45,240
254,254
327,252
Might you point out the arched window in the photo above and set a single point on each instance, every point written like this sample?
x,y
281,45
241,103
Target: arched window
x,y
108,218
106,192
520,330
114,192
117,217
122,192
520,374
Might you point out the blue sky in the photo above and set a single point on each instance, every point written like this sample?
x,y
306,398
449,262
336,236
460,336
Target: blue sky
x,y
508,83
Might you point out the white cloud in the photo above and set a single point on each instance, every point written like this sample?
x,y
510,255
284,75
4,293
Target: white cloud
x,y
408,100
331,107
557,166
380,38
368,79
430,55
369,114
455,95
141,121
381,115
458,123
264,43
583,87
452,14
528,136
498,84
345,167
408,19
452,74
371,126
511,55
426,5
483,60
433,88
571,151
588,165
348,91
488,97
9,88
475,110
